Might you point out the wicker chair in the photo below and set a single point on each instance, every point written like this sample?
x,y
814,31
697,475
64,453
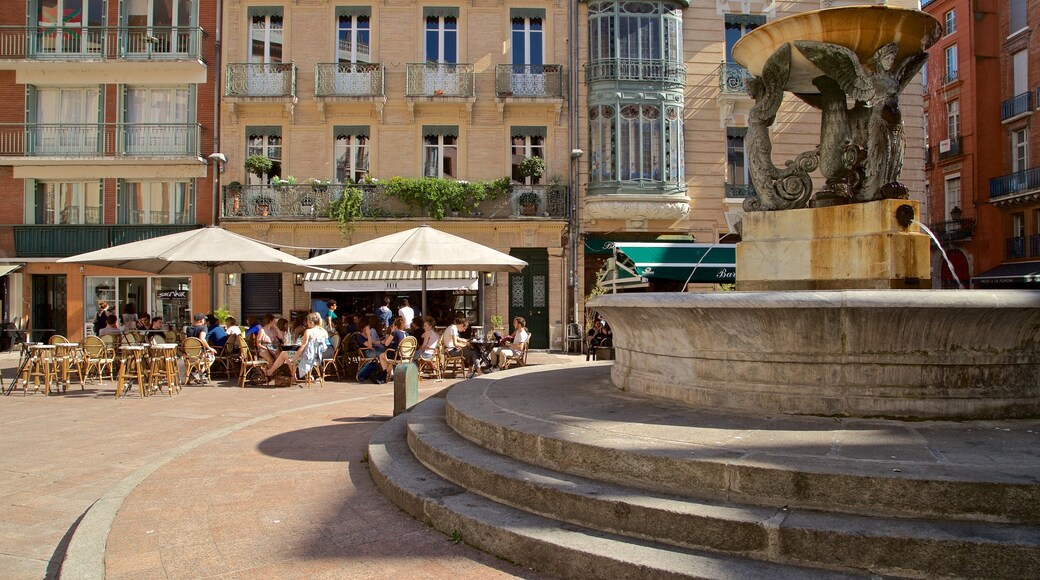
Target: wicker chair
x,y
431,365
228,358
195,361
519,356
249,363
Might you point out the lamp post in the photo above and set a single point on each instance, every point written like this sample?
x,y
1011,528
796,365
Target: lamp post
x,y
576,155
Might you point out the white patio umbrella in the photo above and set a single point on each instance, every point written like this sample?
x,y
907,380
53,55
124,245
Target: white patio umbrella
x,y
203,250
423,248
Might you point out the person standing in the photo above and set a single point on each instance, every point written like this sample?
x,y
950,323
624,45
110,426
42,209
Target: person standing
x,y
406,312
384,313
331,317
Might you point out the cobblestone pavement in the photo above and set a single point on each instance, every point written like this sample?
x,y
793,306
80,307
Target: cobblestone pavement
x,y
217,481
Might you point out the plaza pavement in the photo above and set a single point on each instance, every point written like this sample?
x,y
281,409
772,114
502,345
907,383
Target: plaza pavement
x,y
215,482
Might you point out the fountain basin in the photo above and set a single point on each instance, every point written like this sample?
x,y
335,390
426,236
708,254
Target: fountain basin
x,y
908,354
863,29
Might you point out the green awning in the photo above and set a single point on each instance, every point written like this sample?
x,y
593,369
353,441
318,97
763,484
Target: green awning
x,y
713,263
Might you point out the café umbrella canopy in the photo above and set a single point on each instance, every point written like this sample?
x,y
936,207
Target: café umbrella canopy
x,y
199,251
422,248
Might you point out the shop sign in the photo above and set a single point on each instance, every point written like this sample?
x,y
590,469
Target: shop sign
x,y
172,294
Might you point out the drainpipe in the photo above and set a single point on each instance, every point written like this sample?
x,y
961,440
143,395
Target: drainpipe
x,y
572,107
216,113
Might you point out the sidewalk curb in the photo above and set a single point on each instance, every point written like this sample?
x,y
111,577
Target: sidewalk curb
x,y
85,556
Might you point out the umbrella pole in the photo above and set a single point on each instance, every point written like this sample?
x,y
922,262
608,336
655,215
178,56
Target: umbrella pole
x,y
212,288
423,269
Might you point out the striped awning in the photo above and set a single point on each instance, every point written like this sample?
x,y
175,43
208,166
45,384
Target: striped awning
x,y
389,281
6,269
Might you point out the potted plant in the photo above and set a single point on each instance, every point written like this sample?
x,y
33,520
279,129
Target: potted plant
x,y
258,165
533,167
221,314
528,201
319,185
497,323
283,185
234,192
263,204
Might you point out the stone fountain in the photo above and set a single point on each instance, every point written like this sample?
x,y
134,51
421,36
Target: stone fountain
x,y
810,330
766,433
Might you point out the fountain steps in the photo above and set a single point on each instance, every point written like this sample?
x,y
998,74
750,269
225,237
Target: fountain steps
x,y
487,436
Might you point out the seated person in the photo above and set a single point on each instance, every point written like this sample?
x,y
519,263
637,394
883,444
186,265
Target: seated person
x,y
111,326
309,355
252,325
209,354
216,336
455,345
599,336
428,349
352,325
266,342
519,339
392,342
373,338
231,326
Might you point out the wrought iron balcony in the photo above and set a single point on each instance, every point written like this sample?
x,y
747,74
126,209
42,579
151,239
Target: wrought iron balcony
x,y
529,80
47,43
950,76
57,241
733,79
953,230
300,202
1017,105
272,79
953,150
439,79
99,140
635,69
346,79
1034,245
1015,248
739,191
1012,183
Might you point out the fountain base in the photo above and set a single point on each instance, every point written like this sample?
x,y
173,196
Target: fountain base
x,y
844,247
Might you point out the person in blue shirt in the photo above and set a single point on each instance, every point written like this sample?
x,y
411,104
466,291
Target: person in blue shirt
x,y
254,325
216,336
384,313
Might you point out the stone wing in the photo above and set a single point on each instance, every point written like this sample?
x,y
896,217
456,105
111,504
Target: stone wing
x,y
841,64
909,67
768,90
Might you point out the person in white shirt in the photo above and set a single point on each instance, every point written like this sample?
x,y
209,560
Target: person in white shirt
x,y
429,345
519,340
406,312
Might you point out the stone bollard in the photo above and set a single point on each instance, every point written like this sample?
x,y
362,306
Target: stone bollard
x,y
406,387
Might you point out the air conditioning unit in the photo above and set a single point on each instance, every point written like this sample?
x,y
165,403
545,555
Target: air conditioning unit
x,y
944,146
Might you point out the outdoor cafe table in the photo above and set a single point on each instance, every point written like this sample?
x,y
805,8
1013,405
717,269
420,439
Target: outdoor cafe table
x,y
68,355
132,362
162,367
483,348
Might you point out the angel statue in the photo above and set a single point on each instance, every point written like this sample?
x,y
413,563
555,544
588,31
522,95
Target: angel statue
x,y
875,122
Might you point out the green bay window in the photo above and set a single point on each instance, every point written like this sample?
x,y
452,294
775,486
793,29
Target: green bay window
x,y
636,142
642,31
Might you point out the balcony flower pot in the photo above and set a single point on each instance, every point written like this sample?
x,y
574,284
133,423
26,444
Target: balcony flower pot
x,y
528,202
438,93
263,206
234,191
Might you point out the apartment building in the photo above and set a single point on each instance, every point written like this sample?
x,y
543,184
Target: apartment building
x,y
104,139
343,96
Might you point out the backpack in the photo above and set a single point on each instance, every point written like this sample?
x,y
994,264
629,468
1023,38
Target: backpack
x,y
367,370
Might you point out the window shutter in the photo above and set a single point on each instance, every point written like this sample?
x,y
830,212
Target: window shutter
x,y
440,11
527,131
261,294
351,131
440,130
353,11
526,13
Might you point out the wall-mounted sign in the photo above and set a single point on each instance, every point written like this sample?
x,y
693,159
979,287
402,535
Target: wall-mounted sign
x,y
172,294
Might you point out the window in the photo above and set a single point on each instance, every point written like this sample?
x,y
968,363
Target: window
x,y
442,36
953,120
951,63
953,195
639,143
736,157
525,142
353,35
737,25
526,38
156,202
924,77
440,155
351,150
265,34
266,141
67,120
1020,73
1019,150
158,120
70,32
1018,15
951,22
1018,225
159,26
635,30
63,202
602,141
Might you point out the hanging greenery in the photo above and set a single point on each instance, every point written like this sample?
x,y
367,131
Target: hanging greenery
x,y
258,165
437,196
347,209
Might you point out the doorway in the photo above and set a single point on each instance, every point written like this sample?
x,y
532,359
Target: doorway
x,y
529,294
48,303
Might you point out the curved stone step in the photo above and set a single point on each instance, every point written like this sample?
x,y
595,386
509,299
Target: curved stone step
x,y
563,550
876,545
979,471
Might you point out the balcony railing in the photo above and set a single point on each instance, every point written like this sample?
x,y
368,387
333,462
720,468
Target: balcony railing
x,y
953,230
100,140
439,79
635,69
1013,183
733,79
271,79
950,76
953,150
1017,105
54,241
1034,245
313,202
529,80
1015,248
739,191
101,43
347,79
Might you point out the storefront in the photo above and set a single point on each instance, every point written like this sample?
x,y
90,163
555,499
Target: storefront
x,y
1015,275
666,266
449,293
150,296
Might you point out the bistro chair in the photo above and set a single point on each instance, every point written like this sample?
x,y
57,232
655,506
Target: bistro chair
x,y
228,357
355,358
404,353
332,361
431,365
519,356
41,367
111,343
251,366
455,364
97,356
56,339
195,361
